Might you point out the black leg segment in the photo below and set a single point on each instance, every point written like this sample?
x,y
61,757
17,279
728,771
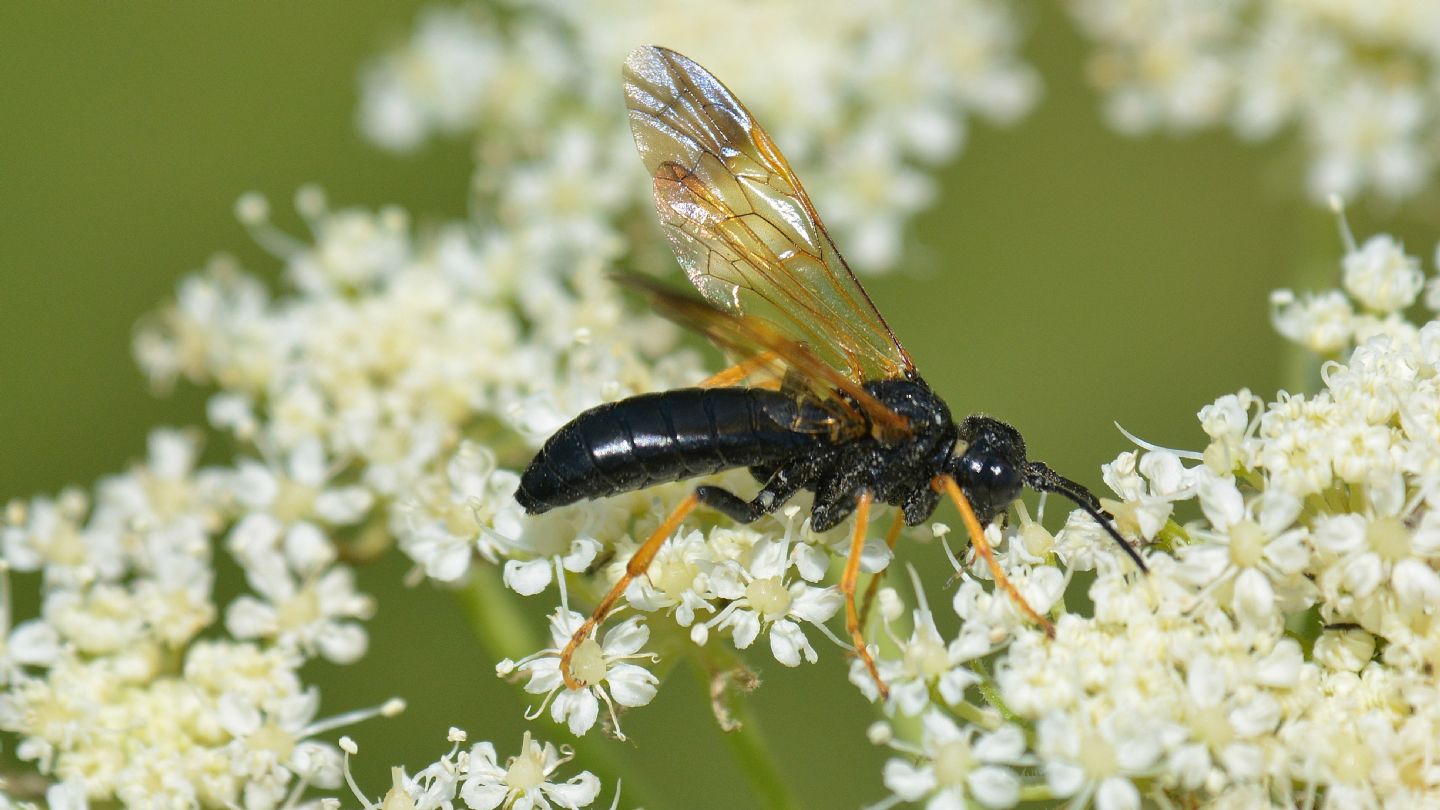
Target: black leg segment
x,y
779,489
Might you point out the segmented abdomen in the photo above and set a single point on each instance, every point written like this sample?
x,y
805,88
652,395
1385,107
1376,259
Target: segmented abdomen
x,y
667,436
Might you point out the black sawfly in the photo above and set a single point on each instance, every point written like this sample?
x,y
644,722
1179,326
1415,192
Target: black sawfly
x,y
822,398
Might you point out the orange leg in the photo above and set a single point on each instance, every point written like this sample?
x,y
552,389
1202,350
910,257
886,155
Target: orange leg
x,y
633,569
891,538
946,484
739,371
847,587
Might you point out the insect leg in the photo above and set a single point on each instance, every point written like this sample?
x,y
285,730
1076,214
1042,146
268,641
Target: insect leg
x,y
891,538
946,484
847,587
782,485
637,565
739,371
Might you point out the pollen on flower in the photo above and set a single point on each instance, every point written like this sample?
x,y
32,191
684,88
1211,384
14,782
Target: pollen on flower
x,y
588,662
768,596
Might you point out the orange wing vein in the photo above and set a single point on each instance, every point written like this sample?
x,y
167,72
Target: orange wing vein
x,y
741,224
775,355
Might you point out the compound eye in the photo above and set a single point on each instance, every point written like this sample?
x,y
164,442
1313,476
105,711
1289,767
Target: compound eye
x,y
1003,479
992,481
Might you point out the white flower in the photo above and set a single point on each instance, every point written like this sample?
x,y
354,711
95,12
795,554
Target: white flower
x,y
1098,762
310,615
524,782
270,743
960,764
471,509
1369,132
925,662
1381,277
763,599
1149,485
97,621
603,666
991,615
438,82
1248,550
529,577
1323,323
1361,552
286,500
678,578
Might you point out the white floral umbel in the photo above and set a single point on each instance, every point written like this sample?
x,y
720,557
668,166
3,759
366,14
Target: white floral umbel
x,y
956,762
476,779
537,85
1354,81
1280,650
113,691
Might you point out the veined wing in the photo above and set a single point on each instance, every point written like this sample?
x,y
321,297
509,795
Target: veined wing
x,y
740,222
854,411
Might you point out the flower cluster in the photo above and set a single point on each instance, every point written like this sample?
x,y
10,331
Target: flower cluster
x,y
478,780
1355,81
397,387
121,688
537,87
1296,594
1280,650
1379,281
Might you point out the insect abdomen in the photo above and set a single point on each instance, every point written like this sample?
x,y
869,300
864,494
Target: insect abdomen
x,y
666,436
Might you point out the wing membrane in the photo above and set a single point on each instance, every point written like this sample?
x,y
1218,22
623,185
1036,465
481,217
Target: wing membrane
x,y
740,222
777,357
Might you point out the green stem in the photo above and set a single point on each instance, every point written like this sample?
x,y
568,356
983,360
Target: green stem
x,y
977,716
747,741
991,693
503,630
506,632
1035,793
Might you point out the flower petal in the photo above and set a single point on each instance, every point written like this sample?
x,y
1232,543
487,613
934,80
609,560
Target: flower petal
x,y
527,578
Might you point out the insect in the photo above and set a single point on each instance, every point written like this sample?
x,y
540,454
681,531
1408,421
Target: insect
x,y
823,397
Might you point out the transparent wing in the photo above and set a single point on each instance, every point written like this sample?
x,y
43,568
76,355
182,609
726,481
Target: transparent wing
x,y
792,366
741,224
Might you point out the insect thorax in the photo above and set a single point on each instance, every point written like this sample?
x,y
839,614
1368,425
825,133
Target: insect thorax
x,y
901,471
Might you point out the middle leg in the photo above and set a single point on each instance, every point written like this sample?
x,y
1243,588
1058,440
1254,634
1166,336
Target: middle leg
x,y
891,538
847,587
781,487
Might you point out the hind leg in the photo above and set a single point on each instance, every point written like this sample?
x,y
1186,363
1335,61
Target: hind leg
x,y
782,485
634,568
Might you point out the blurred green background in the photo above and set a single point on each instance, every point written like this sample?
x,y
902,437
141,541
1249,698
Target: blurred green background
x,y
1066,280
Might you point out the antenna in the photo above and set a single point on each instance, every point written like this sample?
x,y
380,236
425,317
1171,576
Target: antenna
x,y
1039,476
